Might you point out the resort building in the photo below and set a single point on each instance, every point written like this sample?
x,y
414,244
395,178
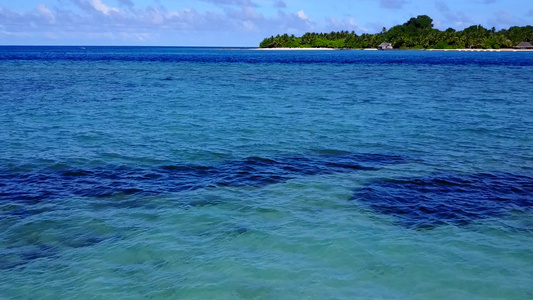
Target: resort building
x,y
524,45
385,46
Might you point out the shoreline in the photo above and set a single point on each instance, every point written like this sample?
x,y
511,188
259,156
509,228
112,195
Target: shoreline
x,y
483,50
374,49
294,49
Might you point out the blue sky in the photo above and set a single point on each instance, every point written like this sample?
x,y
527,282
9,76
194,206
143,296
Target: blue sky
x,y
232,22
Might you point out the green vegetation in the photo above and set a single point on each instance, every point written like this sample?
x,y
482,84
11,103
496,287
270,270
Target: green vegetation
x,y
417,33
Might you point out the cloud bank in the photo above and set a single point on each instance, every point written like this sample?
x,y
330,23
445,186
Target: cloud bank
x,y
232,22
124,22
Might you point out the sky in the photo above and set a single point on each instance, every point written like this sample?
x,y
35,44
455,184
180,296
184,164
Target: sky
x,y
232,22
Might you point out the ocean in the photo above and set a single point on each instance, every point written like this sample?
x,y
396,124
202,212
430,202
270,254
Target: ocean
x,y
208,173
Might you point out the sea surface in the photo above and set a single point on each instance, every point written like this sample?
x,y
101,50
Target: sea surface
x,y
205,173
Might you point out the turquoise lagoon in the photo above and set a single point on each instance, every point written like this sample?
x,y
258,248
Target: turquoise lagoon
x,y
204,173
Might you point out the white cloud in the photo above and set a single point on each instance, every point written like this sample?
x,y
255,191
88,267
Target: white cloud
x,y
46,12
244,13
102,7
156,16
301,14
102,35
239,22
347,24
135,36
249,26
3,31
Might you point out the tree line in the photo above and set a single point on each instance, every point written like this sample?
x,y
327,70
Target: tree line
x,y
417,33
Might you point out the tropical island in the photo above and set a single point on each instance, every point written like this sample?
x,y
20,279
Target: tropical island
x,y
417,33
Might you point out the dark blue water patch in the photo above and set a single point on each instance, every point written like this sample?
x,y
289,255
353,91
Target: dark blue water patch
x,y
213,55
84,240
25,251
447,199
35,186
19,257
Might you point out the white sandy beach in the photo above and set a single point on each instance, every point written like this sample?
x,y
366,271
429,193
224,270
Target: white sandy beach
x,y
484,50
295,49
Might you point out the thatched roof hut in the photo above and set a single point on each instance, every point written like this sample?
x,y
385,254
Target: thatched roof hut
x,y
385,46
524,45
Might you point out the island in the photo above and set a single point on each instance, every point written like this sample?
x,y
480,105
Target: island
x,y
417,33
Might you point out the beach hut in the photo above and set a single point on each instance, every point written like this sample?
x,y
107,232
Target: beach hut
x,y
385,46
524,45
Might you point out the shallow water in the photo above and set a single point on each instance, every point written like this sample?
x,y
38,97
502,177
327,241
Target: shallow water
x,y
208,173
